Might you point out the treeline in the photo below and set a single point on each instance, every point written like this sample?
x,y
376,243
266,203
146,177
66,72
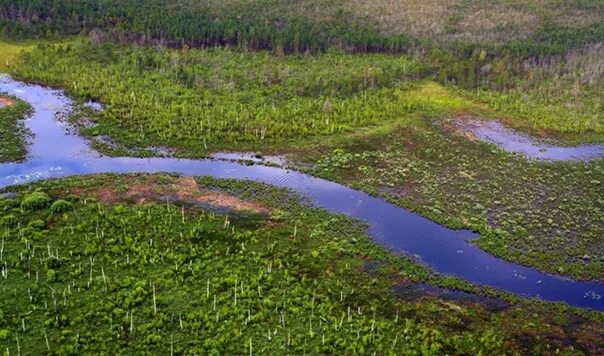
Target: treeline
x,y
245,25
283,27
288,28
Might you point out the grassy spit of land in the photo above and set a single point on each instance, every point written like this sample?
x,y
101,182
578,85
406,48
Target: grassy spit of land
x,y
108,264
12,132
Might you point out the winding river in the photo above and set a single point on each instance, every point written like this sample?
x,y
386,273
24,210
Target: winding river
x,y
55,152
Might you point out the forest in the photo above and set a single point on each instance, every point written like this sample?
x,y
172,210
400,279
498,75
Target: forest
x,y
296,27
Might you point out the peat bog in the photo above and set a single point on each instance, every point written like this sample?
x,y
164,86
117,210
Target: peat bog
x,y
325,176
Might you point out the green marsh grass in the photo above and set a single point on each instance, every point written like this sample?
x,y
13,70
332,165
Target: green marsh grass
x,y
12,131
161,277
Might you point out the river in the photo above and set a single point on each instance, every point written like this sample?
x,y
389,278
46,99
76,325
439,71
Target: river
x,y
56,151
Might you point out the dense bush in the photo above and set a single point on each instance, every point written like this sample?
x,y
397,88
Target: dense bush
x,y
61,206
35,201
37,224
8,220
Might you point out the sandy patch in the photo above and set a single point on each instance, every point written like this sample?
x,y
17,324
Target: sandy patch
x,y
4,101
185,189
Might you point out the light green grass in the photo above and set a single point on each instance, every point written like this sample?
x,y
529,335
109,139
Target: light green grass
x,y
10,51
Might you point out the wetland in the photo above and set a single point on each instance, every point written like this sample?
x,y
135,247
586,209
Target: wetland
x,y
310,177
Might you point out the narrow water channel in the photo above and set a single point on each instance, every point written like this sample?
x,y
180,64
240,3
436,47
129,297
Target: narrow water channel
x,y
511,141
55,152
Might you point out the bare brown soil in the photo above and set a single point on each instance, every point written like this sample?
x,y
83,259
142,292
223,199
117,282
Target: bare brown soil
x,y
148,189
4,101
453,129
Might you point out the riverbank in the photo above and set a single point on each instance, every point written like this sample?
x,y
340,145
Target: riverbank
x,y
12,130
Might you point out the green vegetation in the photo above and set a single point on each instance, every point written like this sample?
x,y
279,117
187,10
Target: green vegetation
x,y
365,93
12,132
393,129
35,201
125,271
9,53
11,50
203,101
224,99
265,24
560,94
541,214
497,45
532,27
